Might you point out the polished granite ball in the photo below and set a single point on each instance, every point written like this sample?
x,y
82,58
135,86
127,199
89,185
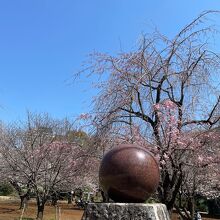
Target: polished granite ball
x,y
129,173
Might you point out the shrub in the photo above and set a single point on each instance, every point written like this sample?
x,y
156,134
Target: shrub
x,y
5,189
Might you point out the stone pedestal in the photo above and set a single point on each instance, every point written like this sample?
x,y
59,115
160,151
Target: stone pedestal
x,y
125,211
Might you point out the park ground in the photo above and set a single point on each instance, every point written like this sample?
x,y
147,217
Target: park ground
x,y
9,211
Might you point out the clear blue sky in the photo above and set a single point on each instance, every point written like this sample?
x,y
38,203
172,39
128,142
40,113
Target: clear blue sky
x,y
43,42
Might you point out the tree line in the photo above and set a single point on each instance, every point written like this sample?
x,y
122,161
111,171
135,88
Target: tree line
x,y
42,156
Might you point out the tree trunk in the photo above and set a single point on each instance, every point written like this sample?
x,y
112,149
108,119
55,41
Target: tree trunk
x,y
170,187
40,209
104,197
24,197
193,207
54,199
70,198
23,201
40,212
180,200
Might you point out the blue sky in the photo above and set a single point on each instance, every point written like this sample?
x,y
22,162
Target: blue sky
x,y
44,42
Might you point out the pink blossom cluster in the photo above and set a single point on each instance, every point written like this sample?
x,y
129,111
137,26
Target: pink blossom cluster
x,y
85,116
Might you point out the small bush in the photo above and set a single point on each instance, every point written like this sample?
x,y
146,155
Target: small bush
x,y
152,200
5,189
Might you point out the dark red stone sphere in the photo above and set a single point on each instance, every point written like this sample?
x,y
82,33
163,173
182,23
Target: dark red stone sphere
x,y
129,173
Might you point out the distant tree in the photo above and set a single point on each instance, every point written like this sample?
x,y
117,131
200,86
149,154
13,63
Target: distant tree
x,y
79,137
160,96
8,166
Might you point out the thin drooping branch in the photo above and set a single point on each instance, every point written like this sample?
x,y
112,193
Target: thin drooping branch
x,y
210,121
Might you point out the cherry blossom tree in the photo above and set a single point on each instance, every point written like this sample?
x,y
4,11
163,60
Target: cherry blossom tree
x,y
202,170
8,168
35,157
161,95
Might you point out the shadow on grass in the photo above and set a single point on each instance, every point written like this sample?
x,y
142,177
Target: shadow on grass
x,y
24,218
6,210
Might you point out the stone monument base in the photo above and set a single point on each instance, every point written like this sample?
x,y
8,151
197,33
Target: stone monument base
x,y
125,211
